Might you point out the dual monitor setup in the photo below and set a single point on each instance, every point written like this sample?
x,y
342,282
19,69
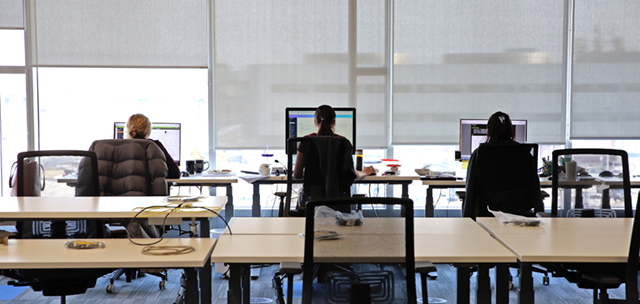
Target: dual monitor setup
x,y
167,133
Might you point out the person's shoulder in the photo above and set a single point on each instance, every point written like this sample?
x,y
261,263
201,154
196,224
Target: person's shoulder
x,y
312,135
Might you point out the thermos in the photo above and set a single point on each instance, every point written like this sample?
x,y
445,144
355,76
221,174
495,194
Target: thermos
x,y
359,159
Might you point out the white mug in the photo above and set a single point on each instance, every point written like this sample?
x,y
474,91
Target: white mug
x,y
265,169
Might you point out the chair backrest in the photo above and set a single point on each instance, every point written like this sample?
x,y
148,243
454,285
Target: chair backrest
x,y
631,280
393,233
598,190
503,178
130,167
48,173
328,169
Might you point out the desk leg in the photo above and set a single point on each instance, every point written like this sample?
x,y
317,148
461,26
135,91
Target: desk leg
x,y
205,283
606,203
502,284
191,294
464,273
255,208
228,209
246,285
579,198
234,294
428,208
526,295
405,190
483,294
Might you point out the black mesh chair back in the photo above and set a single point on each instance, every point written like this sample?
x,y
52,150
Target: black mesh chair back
x,y
373,240
602,182
328,169
54,173
503,178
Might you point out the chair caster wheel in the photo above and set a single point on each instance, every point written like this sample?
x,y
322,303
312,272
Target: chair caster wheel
x,y
111,288
510,285
162,285
545,281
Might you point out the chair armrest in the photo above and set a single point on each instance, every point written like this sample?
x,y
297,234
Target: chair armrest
x,y
544,214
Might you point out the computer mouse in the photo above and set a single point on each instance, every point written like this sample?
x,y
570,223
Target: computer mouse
x,y
606,173
185,173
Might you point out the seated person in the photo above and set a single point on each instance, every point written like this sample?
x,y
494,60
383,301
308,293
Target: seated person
x,y
500,132
325,120
139,126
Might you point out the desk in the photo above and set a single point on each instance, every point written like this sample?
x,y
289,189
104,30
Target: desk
x,y
404,180
211,181
99,208
544,183
118,253
557,240
274,240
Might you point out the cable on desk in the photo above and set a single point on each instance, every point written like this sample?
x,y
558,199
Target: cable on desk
x,y
167,250
168,209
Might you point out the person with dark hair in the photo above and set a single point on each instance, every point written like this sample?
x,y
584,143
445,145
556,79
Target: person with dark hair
x,y
325,120
500,130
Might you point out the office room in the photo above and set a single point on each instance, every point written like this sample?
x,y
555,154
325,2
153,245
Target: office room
x,y
224,72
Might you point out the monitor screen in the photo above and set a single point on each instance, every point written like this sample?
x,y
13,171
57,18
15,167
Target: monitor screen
x,y
473,132
300,122
167,133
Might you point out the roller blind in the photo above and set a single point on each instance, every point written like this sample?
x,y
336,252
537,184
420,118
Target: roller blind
x,y
469,59
270,55
11,14
146,33
606,70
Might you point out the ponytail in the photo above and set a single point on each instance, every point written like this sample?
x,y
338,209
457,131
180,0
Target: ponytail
x,y
325,116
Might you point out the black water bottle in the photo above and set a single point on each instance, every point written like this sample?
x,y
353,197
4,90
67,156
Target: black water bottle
x,y
359,159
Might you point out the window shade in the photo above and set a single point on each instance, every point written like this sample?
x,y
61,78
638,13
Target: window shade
x,y
11,14
606,81
469,59
149,33
276,54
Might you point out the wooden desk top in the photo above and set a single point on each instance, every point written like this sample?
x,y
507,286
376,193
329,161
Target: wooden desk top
x,y
93,207
366,179
118,253
295,225
565,226
253,249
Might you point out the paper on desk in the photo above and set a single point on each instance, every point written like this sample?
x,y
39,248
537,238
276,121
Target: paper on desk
x,y
513,219
250,178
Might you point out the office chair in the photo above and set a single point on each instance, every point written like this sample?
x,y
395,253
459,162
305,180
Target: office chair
x,y
130,167
591,162
328,172
32,168
353,242
504,178
598,277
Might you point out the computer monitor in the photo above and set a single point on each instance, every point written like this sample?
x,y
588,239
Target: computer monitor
x,y
300,122
473,132
167,133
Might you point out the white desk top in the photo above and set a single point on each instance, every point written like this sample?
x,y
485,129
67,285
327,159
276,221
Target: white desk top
x,y
366,179
295,225
566,239
544,182
204,180
118,253
567,226
251,249
93,207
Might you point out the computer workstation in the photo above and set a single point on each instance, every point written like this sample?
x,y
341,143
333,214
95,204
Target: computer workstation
x,y
169,134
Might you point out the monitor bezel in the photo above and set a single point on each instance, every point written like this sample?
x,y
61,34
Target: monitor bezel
x,y
313,109
124,124
486,121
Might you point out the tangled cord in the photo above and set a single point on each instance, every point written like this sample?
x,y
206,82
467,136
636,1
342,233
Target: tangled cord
x,y
168,210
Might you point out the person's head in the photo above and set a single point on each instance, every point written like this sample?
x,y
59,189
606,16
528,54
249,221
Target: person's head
x,y
138,126
499,128
325,119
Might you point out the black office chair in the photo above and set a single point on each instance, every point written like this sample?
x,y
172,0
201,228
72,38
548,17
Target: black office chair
x,y
130,167
360,292
591,163
504,178
328,172
34,167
